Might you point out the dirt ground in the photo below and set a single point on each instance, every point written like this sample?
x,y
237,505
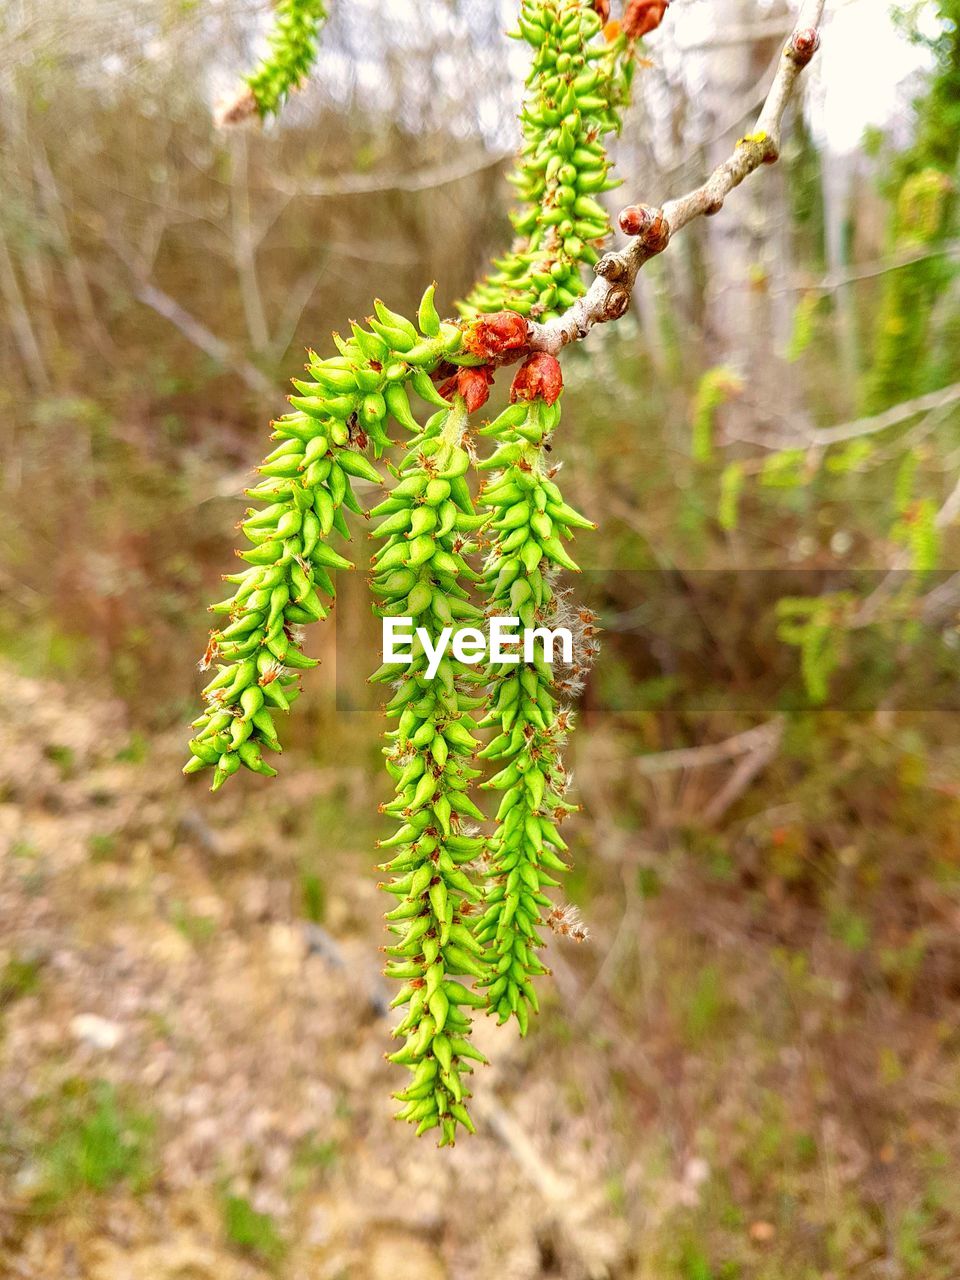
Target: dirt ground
x,y
171,966
699,1100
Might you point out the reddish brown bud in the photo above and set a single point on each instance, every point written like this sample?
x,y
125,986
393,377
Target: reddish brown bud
x,y
473,384
643,16
603,8
635,219
648,224
538,377
805,44
497,337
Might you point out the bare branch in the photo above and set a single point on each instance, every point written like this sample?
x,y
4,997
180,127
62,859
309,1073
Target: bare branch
x,y
609,296
194,330
20,326
930,403
940,605
748,768
201,337
931,409
835,280
427,179
759,738
245,242
76,279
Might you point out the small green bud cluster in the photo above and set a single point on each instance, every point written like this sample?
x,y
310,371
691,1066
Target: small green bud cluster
x,y
308,481
531,521
293,51
576,85
427,524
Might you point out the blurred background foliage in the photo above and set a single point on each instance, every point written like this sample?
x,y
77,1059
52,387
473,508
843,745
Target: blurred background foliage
x,y
753,1070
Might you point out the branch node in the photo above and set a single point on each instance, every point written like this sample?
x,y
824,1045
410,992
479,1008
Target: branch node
x,y
242,107
657,236
612,267
616,302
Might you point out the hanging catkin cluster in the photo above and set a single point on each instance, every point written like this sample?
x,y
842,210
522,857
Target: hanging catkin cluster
x,y
292,51
307,482
577,84
466,925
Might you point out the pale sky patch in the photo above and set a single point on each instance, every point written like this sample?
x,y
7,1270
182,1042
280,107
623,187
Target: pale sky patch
x,y
862,74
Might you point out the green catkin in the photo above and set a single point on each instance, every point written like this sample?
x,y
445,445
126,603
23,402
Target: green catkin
x,y
817,626
818,659
451,925
292,53
427,523
530,520
804,325
731,487
785,470
576,87
716,387
341,408
900,366
917,530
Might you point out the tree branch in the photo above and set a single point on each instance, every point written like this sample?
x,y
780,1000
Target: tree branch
x,y
759,738
929,403
200,336
426,179
192,329
609,296
835,280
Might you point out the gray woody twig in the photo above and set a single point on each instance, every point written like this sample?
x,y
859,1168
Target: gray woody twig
x,y
609,296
